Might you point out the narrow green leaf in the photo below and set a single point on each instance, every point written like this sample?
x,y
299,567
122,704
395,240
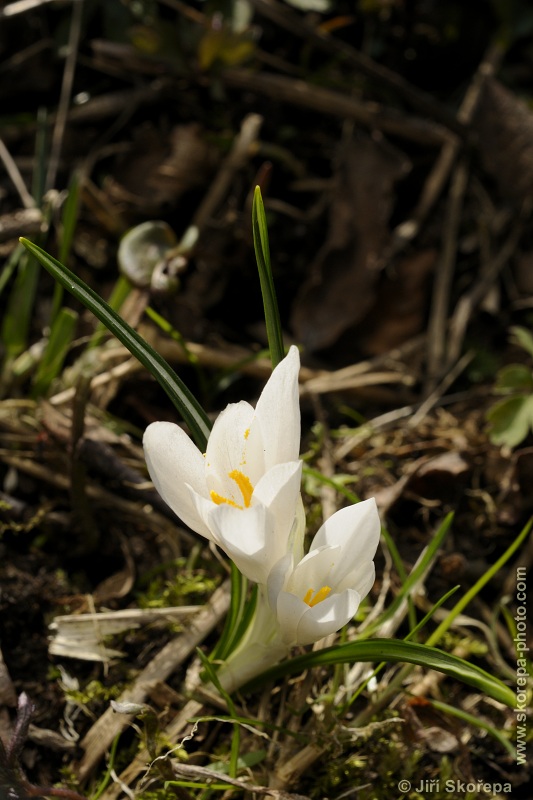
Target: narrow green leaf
x,y
409,636
479,584
69,220
270,303
238,618
17,318
183,399
413,577
236,737
200,785
120,292
391,650
61,336
10,266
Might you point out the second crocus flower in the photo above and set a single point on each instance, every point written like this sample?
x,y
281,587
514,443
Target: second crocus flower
x,y
321,593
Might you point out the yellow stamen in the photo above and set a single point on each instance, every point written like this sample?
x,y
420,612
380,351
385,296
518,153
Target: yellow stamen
x,y
218,500
318,597
245,485
246,433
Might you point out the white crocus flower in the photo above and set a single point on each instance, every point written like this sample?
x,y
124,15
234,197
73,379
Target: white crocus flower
x,y
323,591
244,492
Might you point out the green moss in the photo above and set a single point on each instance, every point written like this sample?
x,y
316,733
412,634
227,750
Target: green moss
x,y
94,693
188,586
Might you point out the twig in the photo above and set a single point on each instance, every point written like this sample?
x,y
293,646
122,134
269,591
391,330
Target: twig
x,y
96,494
285,89
471,299
444,276
16,178
239,155
337,383
66,89
102,733
21,6
434,184
441,389
202,773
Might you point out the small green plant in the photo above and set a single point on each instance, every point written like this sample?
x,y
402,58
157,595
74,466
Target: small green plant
x,y
511,419
237,484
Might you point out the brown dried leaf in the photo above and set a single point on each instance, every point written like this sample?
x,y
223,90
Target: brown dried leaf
x,y
400,310
341,287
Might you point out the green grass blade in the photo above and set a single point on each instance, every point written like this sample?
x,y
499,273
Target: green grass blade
x,y
10,266
236,737
118,296
69,218
69,221
409,636
237,595
413,577
391,650
61,336
17,319
239,609
179,394
476,588
176,336
270,303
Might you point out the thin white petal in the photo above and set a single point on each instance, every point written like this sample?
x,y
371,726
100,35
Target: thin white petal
x,y
290,610
327,617
279,490
226,449
246,537
276,425
203,507
173,461
356,529
361,579
277,578
315,570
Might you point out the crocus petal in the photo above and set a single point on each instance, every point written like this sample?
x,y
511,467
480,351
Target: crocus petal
x,y
315,570
226,449
303,624
328,616
173,461
275,428
357,530
246,536
277,578
290,610
203,507
357,523
361,579
279,491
